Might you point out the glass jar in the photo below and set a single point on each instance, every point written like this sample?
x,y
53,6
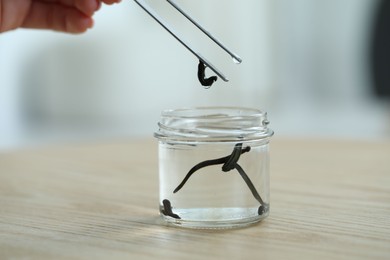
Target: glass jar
x,y
214,166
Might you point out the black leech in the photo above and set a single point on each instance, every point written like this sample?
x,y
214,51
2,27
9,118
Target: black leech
x,y
207,82
250,184
167,211
226,161
262,210
197,167
229,163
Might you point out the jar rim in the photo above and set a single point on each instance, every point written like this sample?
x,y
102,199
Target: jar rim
x,y
184,112
219,123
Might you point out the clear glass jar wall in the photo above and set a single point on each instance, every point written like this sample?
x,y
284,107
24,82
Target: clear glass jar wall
x,y
214,166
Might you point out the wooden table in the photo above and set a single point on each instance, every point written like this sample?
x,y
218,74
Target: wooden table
x,y
329,200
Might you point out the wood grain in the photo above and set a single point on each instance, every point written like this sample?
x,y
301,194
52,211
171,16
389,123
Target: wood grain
x,y
329,200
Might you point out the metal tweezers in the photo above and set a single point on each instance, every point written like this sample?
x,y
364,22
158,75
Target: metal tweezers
x,y
158,19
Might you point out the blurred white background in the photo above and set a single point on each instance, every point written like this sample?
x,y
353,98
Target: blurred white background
x,y
305,62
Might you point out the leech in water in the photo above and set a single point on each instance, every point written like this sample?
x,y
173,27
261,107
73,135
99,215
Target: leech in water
x,y
249,183
263,206
229,163
207,82
167,211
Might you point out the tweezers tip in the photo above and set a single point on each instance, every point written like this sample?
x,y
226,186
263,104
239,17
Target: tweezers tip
x,y
237,59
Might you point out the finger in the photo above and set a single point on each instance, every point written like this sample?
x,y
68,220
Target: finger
x,y
87,7
44,15
12,14
110,2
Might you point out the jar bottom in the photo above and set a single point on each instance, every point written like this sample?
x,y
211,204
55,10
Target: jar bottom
x,y
215,218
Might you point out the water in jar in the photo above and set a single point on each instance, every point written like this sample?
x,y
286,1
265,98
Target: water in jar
x,y
212,198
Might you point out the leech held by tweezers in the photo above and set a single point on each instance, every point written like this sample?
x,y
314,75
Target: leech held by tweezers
x,y
169,29
207,82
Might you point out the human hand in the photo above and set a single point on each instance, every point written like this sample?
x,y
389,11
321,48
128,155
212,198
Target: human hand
x,y
71,16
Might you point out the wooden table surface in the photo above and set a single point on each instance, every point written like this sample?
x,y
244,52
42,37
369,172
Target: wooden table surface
x,y
329,200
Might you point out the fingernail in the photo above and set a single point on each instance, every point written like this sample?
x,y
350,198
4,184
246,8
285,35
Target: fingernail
x,y
88,24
